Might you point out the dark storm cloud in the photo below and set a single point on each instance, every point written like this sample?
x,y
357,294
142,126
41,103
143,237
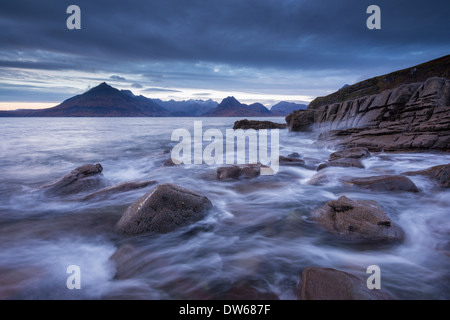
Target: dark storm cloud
x,y
168,38
286,33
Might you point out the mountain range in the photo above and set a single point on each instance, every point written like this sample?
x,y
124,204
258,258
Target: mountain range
x,y
106,101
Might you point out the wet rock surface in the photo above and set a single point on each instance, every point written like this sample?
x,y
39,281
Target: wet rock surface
x,y
414,116
258,125
352,153
247,171
119,188
163,209
342,162
87,177
357,219
385,183
440,174
330,284
291,161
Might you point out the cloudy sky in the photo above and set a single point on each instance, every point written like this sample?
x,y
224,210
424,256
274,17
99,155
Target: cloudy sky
x,y
256,50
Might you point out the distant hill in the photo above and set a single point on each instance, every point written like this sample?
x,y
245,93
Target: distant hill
x,y
187,108
101,101
435,68
283,108
230,107
106,101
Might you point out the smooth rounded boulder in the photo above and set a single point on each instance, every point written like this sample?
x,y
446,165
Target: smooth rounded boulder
x,y
357,219
330,284
247,171
163,209
385,183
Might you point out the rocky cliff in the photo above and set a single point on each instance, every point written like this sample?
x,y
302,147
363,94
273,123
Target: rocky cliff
x,y
412,116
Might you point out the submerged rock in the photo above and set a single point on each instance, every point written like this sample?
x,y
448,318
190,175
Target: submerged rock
x,y
357,219
385,183
239,171
346,158
291,161
163,209
443,176
247,289
321,178
342,162
353,153
169,163
119,188
440,174
258,125
84,178
293,155
330,284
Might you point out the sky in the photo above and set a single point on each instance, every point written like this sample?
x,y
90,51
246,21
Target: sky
x,y
256,50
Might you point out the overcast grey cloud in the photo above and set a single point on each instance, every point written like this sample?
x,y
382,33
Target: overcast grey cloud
x,y
258,46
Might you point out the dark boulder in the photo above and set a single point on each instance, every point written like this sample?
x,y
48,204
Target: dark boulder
x,y
300,120
87,177
357,219
353,153
342,162
169,163
385,183
443,176
239,171
258,125
330,284
163,209
440,174
294,155
289,161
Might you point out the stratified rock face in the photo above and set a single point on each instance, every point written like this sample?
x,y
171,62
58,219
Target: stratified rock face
x,y
163,209
414,116
331,284
84,178
257,125
357,219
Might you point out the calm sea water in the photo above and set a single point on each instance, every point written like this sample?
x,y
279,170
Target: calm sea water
x,y
258,237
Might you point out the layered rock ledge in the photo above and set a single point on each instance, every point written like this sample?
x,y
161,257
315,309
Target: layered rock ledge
x,y
413,116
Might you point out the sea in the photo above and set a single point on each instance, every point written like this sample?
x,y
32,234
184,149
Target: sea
x,y
254,243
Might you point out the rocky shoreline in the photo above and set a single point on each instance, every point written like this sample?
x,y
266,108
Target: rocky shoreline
x,y
412,117
167,207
